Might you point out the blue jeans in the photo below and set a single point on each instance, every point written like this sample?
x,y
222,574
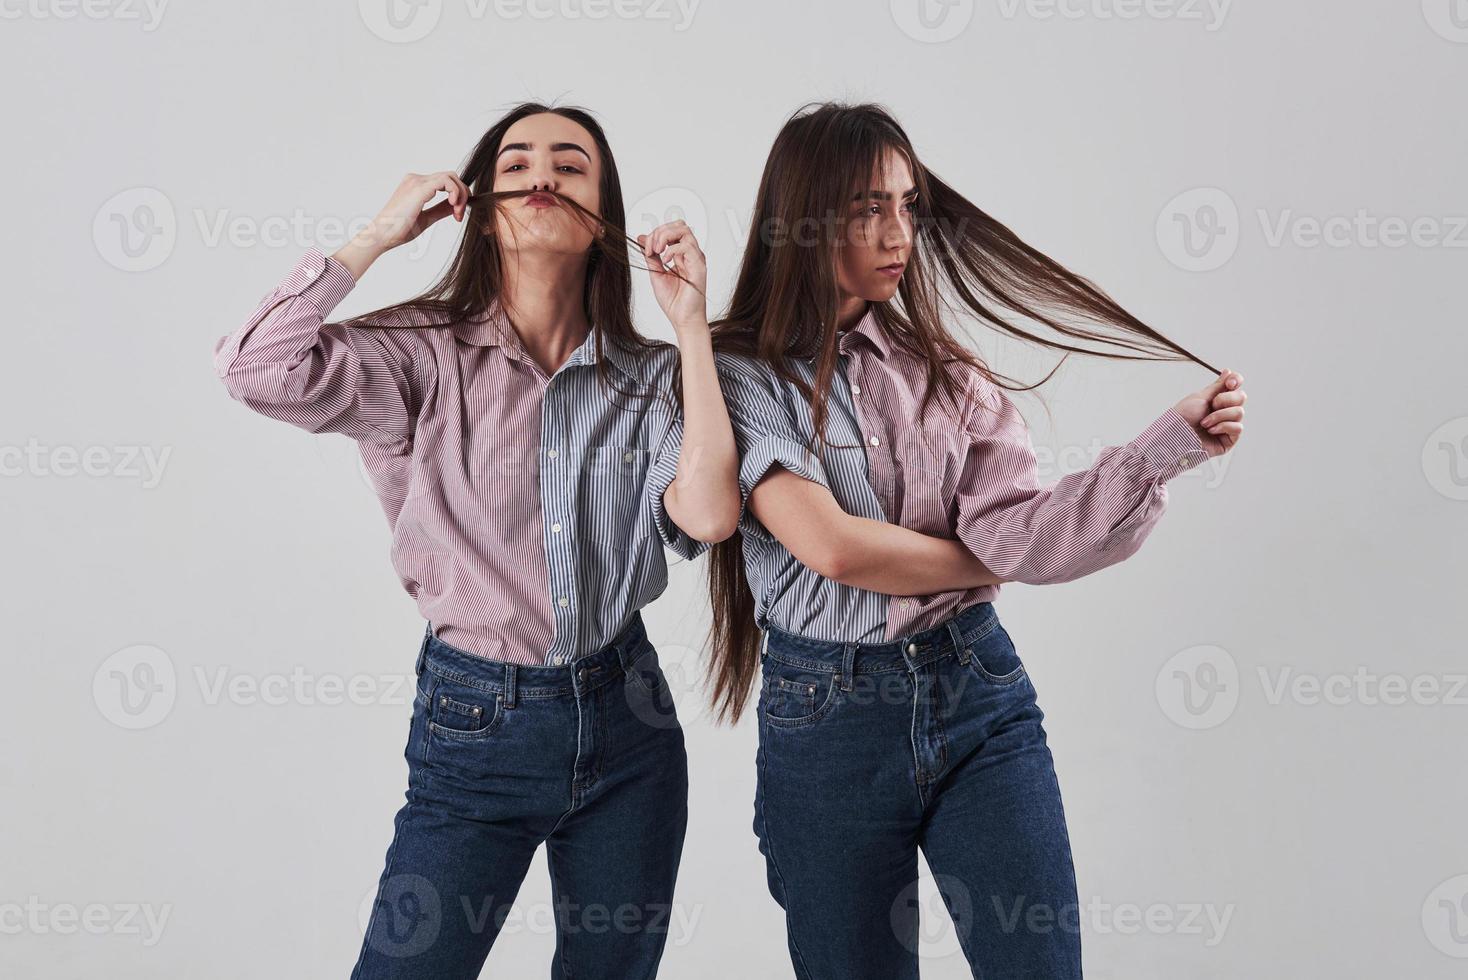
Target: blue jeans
x,y
587,758
870,751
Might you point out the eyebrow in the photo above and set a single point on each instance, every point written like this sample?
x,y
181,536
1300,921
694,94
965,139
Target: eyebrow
x,y
883,195
555,148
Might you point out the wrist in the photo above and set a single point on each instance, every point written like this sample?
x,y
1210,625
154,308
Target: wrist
x,y
692,326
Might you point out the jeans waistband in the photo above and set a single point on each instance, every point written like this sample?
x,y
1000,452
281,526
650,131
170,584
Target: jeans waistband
x,y
953,636
536,681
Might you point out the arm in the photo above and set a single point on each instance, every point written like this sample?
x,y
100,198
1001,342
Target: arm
x,y
1088,520
873,555
288,363
701,496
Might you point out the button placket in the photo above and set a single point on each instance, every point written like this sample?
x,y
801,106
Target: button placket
x,y
556,488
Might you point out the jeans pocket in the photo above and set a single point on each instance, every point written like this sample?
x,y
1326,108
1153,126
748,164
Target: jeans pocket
x,y
792,697
992,656
459,711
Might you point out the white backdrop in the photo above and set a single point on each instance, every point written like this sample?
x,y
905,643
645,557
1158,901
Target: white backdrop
x,y
1258,721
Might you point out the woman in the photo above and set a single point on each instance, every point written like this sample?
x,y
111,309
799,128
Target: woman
x,y
524,441
891,723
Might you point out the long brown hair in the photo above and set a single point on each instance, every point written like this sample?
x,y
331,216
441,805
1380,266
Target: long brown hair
x,y
475,278
786,303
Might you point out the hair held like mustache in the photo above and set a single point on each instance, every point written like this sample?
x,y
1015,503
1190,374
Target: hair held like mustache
x,y
604,232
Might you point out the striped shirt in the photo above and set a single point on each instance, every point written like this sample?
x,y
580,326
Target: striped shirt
x,y
968,474
526,511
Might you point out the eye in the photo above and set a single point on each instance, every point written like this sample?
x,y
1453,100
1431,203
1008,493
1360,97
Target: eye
x,y
911,206
513,167
569,168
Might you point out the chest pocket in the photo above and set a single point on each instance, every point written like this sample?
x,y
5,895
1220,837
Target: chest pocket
x,y
615,489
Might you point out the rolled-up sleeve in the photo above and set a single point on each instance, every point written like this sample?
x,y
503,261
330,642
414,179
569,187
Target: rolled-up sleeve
x,y
764,432
288,363
660,476
1085,522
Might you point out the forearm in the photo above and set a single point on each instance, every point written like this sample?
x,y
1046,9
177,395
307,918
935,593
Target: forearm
x,y
875,555
894,560
703,498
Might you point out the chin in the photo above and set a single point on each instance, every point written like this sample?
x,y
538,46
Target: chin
x,y
881,292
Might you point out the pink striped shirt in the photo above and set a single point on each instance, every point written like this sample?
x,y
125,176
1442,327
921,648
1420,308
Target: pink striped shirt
x,y
526,511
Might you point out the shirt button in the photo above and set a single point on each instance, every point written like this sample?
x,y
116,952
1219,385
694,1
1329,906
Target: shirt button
x,y
563,601
856,389
875,441
556,528
552,454
627,456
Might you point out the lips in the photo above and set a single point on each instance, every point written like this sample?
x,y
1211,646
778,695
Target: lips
x,y
540,201
894,270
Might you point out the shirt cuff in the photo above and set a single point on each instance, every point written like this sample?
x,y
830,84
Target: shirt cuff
x,y
769,452
319,279
1170,446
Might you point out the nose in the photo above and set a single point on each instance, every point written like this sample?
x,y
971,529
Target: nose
x,y
897,232
543,182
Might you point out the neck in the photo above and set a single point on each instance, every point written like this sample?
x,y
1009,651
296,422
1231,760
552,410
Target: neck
x,y
542,296
850,312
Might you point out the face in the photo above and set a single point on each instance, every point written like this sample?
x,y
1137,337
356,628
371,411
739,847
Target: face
x,y
547,152
878,233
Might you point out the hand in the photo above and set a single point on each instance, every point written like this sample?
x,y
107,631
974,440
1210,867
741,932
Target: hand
x,y
1217,412
672,246
405,216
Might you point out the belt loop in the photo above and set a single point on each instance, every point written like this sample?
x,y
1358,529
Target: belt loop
x,y
848,662
958,645
764,645
511,673
423,650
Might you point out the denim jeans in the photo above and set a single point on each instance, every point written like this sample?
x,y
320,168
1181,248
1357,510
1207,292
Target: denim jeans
x,y
868,752
587,758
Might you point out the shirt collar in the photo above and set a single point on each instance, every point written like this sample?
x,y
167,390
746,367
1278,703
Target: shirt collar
x,y
866,329
492,328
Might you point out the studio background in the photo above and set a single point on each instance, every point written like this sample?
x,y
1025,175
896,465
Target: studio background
x,y
1258,721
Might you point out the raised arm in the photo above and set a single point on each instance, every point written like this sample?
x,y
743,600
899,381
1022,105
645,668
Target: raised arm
x,y
287,362
1088,520
694,477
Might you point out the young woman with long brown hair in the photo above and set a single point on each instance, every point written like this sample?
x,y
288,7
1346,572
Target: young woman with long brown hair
x,y
894,711
524,440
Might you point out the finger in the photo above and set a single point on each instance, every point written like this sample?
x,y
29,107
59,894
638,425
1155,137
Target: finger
x,y
440,210
1235,430
668,232
1230,399
1222,415
1216,387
